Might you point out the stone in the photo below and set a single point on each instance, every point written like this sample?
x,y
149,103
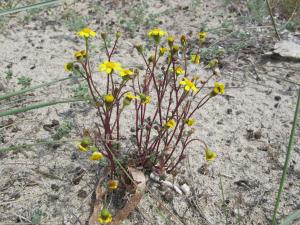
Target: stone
x,y
54,187
277,98
185,189
257,134
82,194
229,111
287,49
168,196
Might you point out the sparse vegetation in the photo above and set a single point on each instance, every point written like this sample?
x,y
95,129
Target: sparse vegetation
x,y
78,146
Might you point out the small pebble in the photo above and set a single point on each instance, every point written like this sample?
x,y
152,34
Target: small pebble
x,y
168,196
82,194
229,111
277,98
53,197
238,112
186,189
257,134
54,187
263,148
220,122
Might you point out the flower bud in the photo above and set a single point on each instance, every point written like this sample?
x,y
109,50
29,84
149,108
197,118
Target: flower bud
x,y
175,49
118,34
103,36
139,48
183,40
170,41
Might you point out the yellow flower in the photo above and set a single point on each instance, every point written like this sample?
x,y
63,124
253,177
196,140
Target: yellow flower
x,y
190,122
109,67
81,148
212,63
179,70
113,184
175,49
104,216
183,40
125,72
84,144
86,33
156,33
210,155
162,51
118,34
130,96
109,98
195,58
219,88
96,156
69,67
145,99
202,36
188,84
170,123
80,54
170,41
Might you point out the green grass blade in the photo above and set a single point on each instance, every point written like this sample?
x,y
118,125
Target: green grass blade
x,y
36,106
287,158
23,91
24,8
290,218
24,146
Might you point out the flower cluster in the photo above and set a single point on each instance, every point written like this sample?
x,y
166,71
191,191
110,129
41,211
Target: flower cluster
x,y
164,99
86,144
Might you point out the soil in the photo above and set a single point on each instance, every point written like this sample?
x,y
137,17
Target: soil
x,y
248,127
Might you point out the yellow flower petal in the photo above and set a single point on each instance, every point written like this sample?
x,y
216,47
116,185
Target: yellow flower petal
x,y
190,122
113,184
156,32
81,148
170,123
219,88
130,96
125,72
86,33
179,70
104,216
96,156
195,58
109,98
187,88
210,155
110,66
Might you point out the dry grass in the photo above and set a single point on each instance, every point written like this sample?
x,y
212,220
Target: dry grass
x,y
287,8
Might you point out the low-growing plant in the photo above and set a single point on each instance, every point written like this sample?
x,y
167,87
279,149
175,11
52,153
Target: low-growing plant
x,y
161,134
138,17
74,21
63,130
8,75
24,81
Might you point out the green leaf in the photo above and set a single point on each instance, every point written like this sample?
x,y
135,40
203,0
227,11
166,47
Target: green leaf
x,y
37,216
23,91
290,218
26,146
36,106
24,8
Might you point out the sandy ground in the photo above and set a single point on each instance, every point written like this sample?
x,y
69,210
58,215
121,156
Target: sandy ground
x,y
248,127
